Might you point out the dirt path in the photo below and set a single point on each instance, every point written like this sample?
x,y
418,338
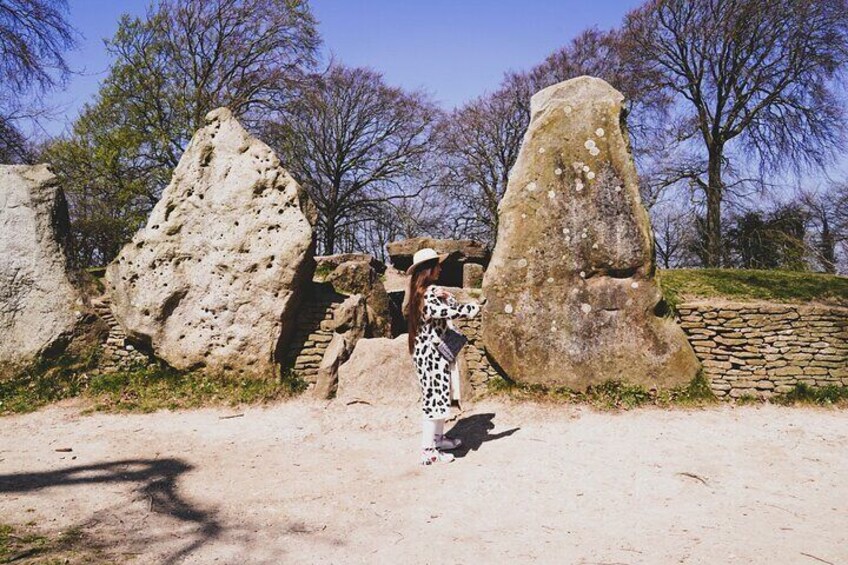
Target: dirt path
x,y
301,483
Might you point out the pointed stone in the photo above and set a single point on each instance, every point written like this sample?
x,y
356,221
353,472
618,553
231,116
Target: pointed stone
x,y
214,279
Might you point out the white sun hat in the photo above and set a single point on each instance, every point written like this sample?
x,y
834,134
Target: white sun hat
x,y
424,255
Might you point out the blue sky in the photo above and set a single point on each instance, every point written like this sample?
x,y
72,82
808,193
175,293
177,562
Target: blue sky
x,y
455,50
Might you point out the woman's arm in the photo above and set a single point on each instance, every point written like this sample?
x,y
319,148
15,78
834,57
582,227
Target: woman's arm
x,y
443,305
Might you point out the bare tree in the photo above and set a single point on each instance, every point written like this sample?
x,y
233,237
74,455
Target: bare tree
x,y
828,213
762,71
481,145
674,228
34,36
357,146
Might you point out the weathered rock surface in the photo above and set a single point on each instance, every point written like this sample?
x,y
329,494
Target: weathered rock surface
x,y
570,288
380,372
215,277
349,324
468,251
40,307
337,353
359,277
330,262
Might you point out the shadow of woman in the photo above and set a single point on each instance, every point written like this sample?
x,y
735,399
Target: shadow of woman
x,y
474,431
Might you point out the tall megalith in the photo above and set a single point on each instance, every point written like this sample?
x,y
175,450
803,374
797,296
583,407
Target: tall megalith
x,y
40,307
571,289
214,279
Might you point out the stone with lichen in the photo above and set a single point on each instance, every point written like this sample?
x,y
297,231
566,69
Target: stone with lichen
x,y
572,298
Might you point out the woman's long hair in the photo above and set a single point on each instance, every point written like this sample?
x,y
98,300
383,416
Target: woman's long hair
x,y
422,277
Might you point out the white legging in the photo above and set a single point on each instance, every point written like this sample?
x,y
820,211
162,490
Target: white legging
x,y
430,429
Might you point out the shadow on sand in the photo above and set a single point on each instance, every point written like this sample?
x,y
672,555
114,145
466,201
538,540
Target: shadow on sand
x,y
474,431
157,482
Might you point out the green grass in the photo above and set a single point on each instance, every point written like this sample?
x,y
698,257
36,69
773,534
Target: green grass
x,y
142,389
803,394
150,389
741,284
21,544
322,272
28,388
610,395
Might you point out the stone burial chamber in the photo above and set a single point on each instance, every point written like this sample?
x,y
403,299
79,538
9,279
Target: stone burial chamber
x,y
463,269
42,310
572,296
214,279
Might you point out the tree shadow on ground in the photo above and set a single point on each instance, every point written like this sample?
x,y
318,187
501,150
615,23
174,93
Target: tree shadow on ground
x,y
474,431
157,482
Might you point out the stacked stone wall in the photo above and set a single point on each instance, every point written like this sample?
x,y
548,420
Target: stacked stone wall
x,y
480,370
312,337
117,353
763,349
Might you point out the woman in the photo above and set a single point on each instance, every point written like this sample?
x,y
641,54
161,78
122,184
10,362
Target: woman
x,y
428,309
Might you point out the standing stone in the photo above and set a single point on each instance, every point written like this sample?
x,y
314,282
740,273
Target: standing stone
x,y
572,299
39,306
214,278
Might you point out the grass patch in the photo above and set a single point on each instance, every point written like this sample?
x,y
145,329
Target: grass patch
x,y
153,388
33,386
142,389
803,394
610,395
746,284
323,271
21,544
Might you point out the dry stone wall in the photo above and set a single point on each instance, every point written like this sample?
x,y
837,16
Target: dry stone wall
x,y
480,369
763,349
312,334
117,352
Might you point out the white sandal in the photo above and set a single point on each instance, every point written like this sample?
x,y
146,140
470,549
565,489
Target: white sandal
x,y
430,455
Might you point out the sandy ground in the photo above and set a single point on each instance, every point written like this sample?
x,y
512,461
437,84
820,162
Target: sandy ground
x,y
307,482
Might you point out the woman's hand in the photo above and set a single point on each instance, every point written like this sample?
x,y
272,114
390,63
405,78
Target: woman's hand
x,y
442,293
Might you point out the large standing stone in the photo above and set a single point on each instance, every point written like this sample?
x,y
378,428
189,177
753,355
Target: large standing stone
x,y
39,306
572,299
214,278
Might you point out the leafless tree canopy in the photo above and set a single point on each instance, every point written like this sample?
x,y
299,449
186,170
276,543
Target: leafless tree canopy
x,y
480,147
359,147
827,211
762,71
34,36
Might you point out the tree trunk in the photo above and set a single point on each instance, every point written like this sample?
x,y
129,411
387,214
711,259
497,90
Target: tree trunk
x,y
714,196
329,239
828,247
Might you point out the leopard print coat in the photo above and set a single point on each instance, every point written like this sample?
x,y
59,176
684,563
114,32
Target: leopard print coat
x,y
434,370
